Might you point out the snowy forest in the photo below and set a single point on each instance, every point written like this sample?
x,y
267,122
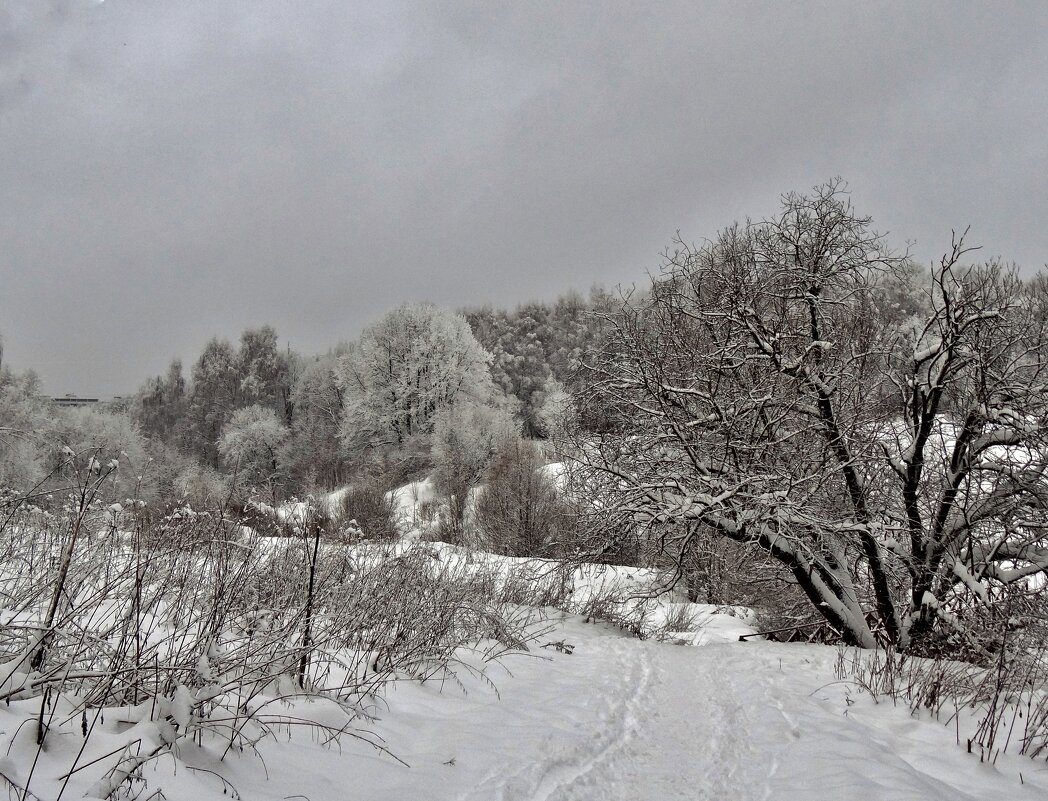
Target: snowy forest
x,y
791,471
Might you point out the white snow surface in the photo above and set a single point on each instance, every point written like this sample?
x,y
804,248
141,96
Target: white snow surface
x,y
600,715
616,718
620,718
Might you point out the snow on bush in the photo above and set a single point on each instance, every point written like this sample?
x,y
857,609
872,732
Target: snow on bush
x,y
128,642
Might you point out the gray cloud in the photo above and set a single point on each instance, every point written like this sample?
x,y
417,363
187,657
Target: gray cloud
x,y
171,171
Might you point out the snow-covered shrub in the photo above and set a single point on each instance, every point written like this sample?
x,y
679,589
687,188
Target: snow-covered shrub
x,y
615,607
125,644
367,502
680,618
201,486
999,704
519,511
466,434
536,582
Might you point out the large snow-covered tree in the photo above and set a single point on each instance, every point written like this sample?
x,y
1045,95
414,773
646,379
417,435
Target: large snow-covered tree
x,y
406,368
225,379
266,374
159,406
24,424
250,443
768,391
213,397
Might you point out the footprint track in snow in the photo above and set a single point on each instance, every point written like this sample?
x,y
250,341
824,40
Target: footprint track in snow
x,y
583,769
653,722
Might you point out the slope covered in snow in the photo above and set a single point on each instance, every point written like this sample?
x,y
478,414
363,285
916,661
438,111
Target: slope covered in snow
x,y
592,713
620,718
587,712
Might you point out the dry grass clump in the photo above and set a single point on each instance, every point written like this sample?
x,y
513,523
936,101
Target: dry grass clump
x,y
999,704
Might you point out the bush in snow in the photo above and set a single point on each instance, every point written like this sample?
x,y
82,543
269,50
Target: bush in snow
x,y
519,511
125,645
367,502
466,434
999,703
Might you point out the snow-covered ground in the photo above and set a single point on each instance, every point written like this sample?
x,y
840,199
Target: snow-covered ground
x,y
621,718
589,712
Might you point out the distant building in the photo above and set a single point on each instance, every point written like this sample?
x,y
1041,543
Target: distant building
x,y
118,403
70,400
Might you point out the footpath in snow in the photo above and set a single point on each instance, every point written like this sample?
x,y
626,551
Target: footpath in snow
x,y
625,719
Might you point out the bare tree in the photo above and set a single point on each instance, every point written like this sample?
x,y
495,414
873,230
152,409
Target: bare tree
x,y
466,434
896,468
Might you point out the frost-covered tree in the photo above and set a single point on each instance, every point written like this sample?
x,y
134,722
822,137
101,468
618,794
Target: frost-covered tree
x,y
556,414
214,396
404,370
537,343
895,468
105,437
24,423
266,374
250,443
466,434
160,405
225,379
313,452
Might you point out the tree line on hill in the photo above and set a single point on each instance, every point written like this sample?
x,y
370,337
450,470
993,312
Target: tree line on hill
x,y
790,413
424,390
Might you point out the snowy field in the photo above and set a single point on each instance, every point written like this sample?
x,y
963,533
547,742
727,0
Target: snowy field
x,y
588,711
618,718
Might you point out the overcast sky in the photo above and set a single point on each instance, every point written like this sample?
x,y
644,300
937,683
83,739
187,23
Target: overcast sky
x,y
175,169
